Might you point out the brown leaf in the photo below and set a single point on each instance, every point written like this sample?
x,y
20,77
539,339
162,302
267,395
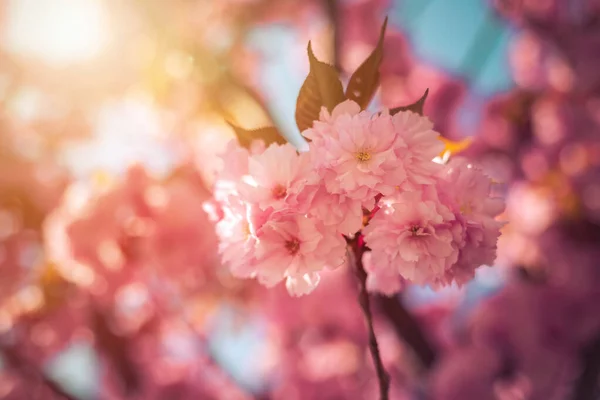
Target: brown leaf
x,y
365,80
322,87
269,134
414,107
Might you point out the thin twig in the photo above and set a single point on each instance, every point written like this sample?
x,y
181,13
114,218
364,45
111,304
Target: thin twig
x,y
383,377
406,326
31,373
333,12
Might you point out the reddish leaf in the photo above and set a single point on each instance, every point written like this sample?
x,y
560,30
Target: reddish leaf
x,y
322,87
414,107
269,134
365,80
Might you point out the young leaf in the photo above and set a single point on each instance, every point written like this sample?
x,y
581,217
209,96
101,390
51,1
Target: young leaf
x,y
322,87
365,80
414,107
453,147
269,134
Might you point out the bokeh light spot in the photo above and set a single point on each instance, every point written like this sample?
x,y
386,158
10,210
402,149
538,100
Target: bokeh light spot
x,y
57,31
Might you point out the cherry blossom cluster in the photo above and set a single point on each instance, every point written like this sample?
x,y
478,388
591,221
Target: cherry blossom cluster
x,y
117,239
286,215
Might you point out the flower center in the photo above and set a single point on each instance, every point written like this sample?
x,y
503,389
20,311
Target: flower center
x,y
292,245
466,209
416,230
246,229
279,192
363,156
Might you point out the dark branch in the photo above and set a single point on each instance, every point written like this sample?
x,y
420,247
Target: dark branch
x,y
408,329
333,12
30,373
363,299
586,387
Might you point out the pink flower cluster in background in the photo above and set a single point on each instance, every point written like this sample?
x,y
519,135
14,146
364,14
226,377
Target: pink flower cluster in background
x,y
285,215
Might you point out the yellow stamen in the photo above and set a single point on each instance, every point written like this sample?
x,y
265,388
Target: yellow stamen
x,y
466,209
246,229
363,156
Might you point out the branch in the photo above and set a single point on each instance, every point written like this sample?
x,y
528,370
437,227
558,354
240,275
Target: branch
x,y
586,387
383,377
408,329
31,374
333,12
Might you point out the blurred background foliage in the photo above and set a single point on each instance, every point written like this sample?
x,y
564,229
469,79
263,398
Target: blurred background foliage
x,y
89,88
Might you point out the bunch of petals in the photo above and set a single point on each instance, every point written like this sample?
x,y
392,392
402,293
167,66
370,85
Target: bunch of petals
x,y
264,229
437,234
359,155
136,230
471,196
284,213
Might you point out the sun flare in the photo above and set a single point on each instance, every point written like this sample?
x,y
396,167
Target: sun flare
x,y
58,32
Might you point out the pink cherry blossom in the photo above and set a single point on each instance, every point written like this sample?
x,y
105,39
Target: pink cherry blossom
x,y
135,231
302,284
469,191
381,280
183,243
413,236
276,177
302,201
293,247
419,144
338,211
236,232
268,227
235,160
324,128
356,152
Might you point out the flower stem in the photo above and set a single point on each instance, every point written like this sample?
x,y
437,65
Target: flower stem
x,y
383,377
